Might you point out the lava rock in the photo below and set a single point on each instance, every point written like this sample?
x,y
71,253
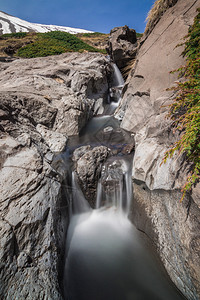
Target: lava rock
x,y
122,45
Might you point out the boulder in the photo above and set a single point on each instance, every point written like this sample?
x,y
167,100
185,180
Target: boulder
x,y
172,226
88,164
122,45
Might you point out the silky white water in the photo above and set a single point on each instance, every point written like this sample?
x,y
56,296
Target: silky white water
x,y
105,255
118,80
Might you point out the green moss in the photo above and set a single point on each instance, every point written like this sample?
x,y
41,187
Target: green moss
x,y
55,42
185,110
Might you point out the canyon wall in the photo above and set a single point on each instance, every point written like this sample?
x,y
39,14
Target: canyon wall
x,y
173,226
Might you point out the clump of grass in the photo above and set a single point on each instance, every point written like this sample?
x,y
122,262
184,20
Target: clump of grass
x,y
156,12
53,43
185,110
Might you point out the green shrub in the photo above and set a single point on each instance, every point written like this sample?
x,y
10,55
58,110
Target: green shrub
x,y
185,110
42,48
54,42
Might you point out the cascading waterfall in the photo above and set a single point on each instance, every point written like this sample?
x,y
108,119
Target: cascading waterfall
x,y
105,256
115,91
114,186
118,80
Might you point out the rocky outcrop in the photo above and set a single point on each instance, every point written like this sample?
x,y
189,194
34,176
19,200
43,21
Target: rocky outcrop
x,y
72,87
122,45
173,226
88,164
39,98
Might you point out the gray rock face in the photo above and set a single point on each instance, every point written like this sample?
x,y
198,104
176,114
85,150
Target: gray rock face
x,y
42,101
31,243
88,164
174,229
55,91
143,111
122,45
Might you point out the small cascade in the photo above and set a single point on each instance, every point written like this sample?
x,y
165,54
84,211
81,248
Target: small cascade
x,y
79,204
117,77
115,91
115,186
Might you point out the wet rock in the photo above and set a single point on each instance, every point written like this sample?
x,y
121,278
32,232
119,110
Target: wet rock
x,y
111,177
88,168
79,152
122,45
127,149
108,129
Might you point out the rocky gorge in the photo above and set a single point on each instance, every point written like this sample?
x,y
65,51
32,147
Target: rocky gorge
x,y
44,101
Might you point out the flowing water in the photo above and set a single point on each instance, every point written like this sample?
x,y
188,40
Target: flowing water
x,y
105,256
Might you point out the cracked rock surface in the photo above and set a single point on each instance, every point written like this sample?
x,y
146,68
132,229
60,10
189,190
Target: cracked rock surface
x,y
122,45
88,163
42,102
174,226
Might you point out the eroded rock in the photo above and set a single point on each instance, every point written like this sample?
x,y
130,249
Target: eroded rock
x,y
122,45
88,167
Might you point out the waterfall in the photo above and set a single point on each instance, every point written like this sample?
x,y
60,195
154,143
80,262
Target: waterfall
x,y
79,204
117,77
115,91
105,256
114,186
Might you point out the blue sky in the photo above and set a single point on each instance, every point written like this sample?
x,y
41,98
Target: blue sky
x,y
96,15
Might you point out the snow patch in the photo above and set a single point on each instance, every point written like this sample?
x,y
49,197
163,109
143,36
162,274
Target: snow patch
x,y
24,26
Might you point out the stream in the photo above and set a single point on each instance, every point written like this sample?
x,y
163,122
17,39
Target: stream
x,y
105,256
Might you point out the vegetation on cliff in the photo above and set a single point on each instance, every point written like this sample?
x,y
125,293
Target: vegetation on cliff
x,y
185,110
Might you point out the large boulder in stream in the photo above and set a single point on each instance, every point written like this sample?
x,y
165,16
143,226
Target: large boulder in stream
x,y
122,45
42,101
88,163
172,226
